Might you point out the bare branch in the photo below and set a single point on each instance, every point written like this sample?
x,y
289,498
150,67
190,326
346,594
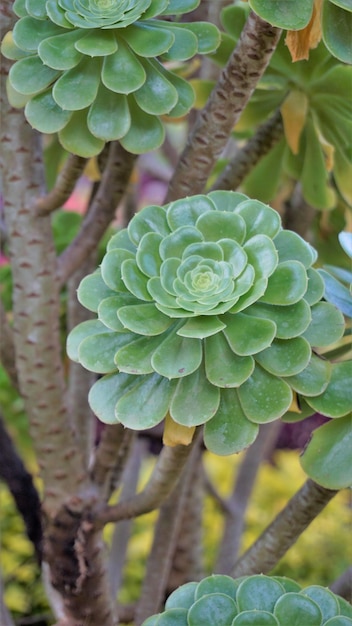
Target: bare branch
x,y
266,137
110,458
230,95
122,530
166,533
282,533
165,476
239,499
343,585
111,189
64,185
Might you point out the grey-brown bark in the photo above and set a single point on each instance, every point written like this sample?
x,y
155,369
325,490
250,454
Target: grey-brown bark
x,y
228,99
282,533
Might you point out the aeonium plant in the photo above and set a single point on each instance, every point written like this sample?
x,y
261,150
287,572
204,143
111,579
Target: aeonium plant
x,y
95,70
252,601
208,312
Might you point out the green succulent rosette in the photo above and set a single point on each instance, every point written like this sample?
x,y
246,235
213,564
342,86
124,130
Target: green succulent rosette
x,y
93,70
207,312
252,601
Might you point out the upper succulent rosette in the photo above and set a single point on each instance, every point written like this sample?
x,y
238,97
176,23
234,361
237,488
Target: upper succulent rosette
x,y
92,70
208,311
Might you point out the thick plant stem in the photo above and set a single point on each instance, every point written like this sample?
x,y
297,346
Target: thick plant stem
x,y
165,537
266,137
187,559
63,187
36,310
230,95
282,533
80,380
110,458
238,501
165,476
113,185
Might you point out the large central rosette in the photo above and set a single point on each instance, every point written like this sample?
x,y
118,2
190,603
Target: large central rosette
x,y
101,70
207,313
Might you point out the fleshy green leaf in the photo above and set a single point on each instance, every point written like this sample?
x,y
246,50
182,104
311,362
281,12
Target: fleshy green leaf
x,y
327,325
314,379
215,226
29,32
107,310
262,255
336,400
77,88
325,599
337,28
287,285
146,132
337,293
135,358
185,44
177,356
151,219
96,352
260,218
315,290
45,115
135,280
111,268
97,43
182,597
255,618
157,95
146,403
290,321
144,319
59,52
248,335
288,15
224,368
173,617
184,409
258,592
186,212
229,431
75,137
216,583
81,332
109,116
291,247
215,608
264,397
294,609
105,393
29,75
148,39
92,290
122,71
285,357
208,35
201,327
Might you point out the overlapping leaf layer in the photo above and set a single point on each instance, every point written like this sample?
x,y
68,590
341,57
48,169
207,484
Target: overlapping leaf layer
x,y
92,70
252,601
207,310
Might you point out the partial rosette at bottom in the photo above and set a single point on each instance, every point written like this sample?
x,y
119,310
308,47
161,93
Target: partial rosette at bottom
x,y
208,312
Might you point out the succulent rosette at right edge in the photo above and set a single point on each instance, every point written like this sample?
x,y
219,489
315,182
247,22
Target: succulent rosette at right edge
x,y
209,312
